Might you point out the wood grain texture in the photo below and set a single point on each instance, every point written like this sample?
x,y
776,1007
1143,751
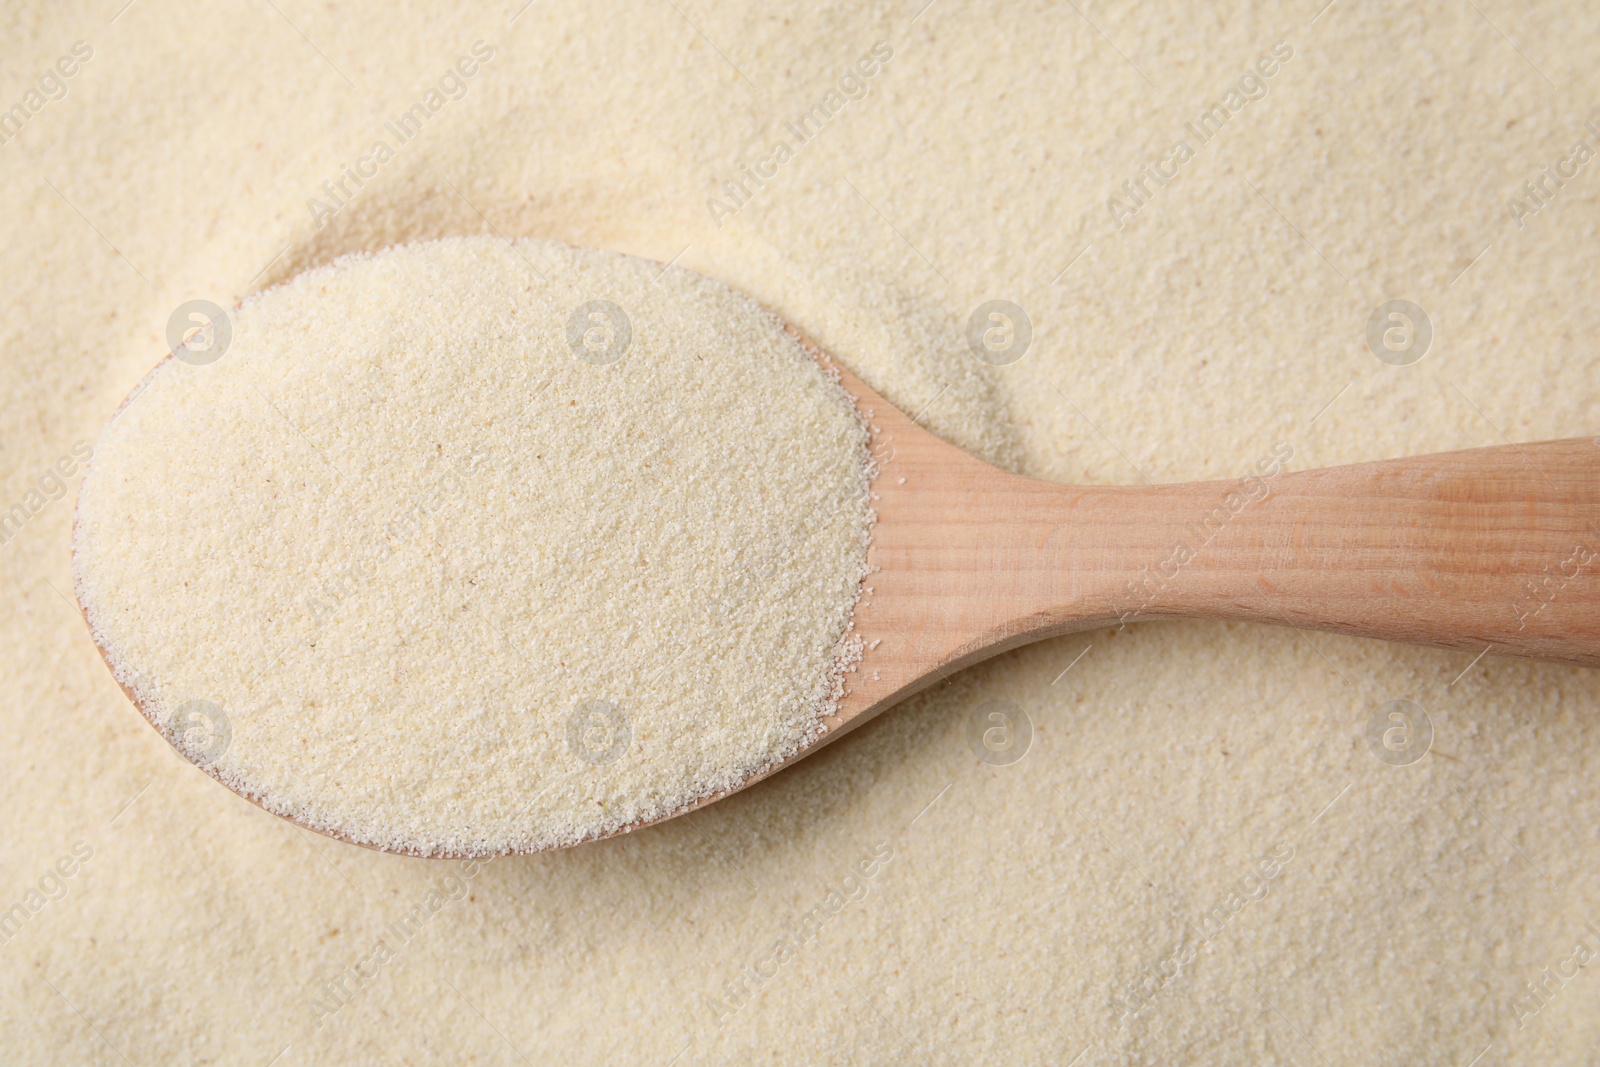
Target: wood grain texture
x,y
1494,548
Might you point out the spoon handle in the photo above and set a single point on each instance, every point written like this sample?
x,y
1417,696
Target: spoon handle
x,y
1495,548
1485,550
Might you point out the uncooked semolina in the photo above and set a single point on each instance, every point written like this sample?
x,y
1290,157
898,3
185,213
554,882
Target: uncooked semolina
x,y
1422,903
470,546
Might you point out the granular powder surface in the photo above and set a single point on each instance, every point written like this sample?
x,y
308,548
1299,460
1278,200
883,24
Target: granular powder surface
x,y
470,546
894,898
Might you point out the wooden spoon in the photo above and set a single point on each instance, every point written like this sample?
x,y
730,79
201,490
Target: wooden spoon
x,y
1488,549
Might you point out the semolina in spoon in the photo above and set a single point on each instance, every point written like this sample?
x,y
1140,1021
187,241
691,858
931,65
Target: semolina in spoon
x,y
472,547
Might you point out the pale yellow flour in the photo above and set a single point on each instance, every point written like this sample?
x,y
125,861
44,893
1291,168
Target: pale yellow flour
x,y
1009,909
442,551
